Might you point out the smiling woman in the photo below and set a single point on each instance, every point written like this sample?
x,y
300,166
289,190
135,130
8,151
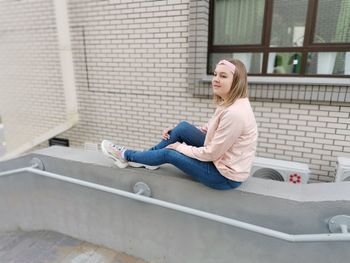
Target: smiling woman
x,y
229,82
219,154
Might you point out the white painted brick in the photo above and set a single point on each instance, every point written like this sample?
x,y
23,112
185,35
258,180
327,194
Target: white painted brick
x,y
293,154
327,119
287,128
266,155
325,130
286,137
280,110
339,114
320,162
311,156
281,121
342,143
335,137
309,107
317,124
296,133
344,132
295,143
319,113
312,146
345,109
270,115
315,135
329,108
344,120
290,106
306,128
297,122
289,116
337,125
275,151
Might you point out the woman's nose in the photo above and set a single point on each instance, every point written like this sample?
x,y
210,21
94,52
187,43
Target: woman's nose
x,y
215,78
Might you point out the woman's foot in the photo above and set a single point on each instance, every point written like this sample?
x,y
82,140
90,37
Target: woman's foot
x,y
114,152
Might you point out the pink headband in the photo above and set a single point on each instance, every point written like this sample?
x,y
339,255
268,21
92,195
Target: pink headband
x,y
228,64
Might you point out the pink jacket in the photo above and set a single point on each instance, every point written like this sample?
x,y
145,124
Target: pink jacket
x,y
230,142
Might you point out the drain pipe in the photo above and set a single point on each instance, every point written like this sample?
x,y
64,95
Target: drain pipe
x,y
334,226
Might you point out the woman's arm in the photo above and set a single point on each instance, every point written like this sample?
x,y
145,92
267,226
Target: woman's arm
x,y
230,128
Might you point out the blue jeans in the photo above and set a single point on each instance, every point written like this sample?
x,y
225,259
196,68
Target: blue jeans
x,y
204,172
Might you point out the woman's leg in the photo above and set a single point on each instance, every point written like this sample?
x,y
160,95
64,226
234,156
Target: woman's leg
x,y
204,172
183,132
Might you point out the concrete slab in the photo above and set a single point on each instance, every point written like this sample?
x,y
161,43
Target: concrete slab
x,y
53,247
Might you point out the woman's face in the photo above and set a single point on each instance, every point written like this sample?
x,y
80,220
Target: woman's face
x,y
222,81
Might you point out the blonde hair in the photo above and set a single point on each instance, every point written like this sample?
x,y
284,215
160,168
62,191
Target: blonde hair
x,y
239,88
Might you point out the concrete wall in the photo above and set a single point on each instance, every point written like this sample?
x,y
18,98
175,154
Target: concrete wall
x,y
32,202
140,66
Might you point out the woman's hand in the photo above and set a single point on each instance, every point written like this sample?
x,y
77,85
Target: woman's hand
x,y
173,146
165,134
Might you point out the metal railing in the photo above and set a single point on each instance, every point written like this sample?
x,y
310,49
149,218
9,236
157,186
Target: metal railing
x,y
343,236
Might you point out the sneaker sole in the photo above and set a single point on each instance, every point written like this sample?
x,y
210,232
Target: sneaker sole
x,y
140,165
116,160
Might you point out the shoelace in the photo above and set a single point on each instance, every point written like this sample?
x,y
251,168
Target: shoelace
x,y
118,148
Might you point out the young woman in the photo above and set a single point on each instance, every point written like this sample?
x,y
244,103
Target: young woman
x,y
220,153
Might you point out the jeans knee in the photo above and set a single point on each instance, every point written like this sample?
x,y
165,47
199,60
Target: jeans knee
x,y
170,155
182,126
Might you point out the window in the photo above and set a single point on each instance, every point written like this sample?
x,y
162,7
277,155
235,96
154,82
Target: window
x,y
281,37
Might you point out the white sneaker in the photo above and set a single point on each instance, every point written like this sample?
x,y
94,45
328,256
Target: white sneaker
x,y
140,165
114,152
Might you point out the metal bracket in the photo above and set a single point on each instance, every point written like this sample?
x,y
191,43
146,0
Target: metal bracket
x,y
339,224
141,188
38,164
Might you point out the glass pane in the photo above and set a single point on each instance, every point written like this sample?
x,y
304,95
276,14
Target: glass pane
x,y
238,22
288,23
284,63
331,63
333,22
252,61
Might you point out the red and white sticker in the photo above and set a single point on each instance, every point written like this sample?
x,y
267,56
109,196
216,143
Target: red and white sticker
x,y
295,178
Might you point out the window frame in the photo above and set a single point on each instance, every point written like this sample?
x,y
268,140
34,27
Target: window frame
x,y
264,46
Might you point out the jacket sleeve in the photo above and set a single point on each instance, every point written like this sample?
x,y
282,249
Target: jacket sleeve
x,y
229,129
203,128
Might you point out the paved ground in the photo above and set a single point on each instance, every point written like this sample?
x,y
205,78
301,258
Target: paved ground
x,y
52,247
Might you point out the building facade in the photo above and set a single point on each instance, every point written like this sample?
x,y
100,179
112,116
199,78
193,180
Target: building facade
x,y
141,66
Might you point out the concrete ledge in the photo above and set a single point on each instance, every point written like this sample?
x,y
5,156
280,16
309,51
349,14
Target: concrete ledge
x,y
32,202
302,192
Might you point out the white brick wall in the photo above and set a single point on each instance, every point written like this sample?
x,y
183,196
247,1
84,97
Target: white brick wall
x,y
314,134
32,99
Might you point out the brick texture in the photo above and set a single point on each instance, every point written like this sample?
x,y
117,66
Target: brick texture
x,y
32,97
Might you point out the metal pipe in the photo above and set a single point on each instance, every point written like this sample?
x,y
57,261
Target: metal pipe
x,y
217,218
